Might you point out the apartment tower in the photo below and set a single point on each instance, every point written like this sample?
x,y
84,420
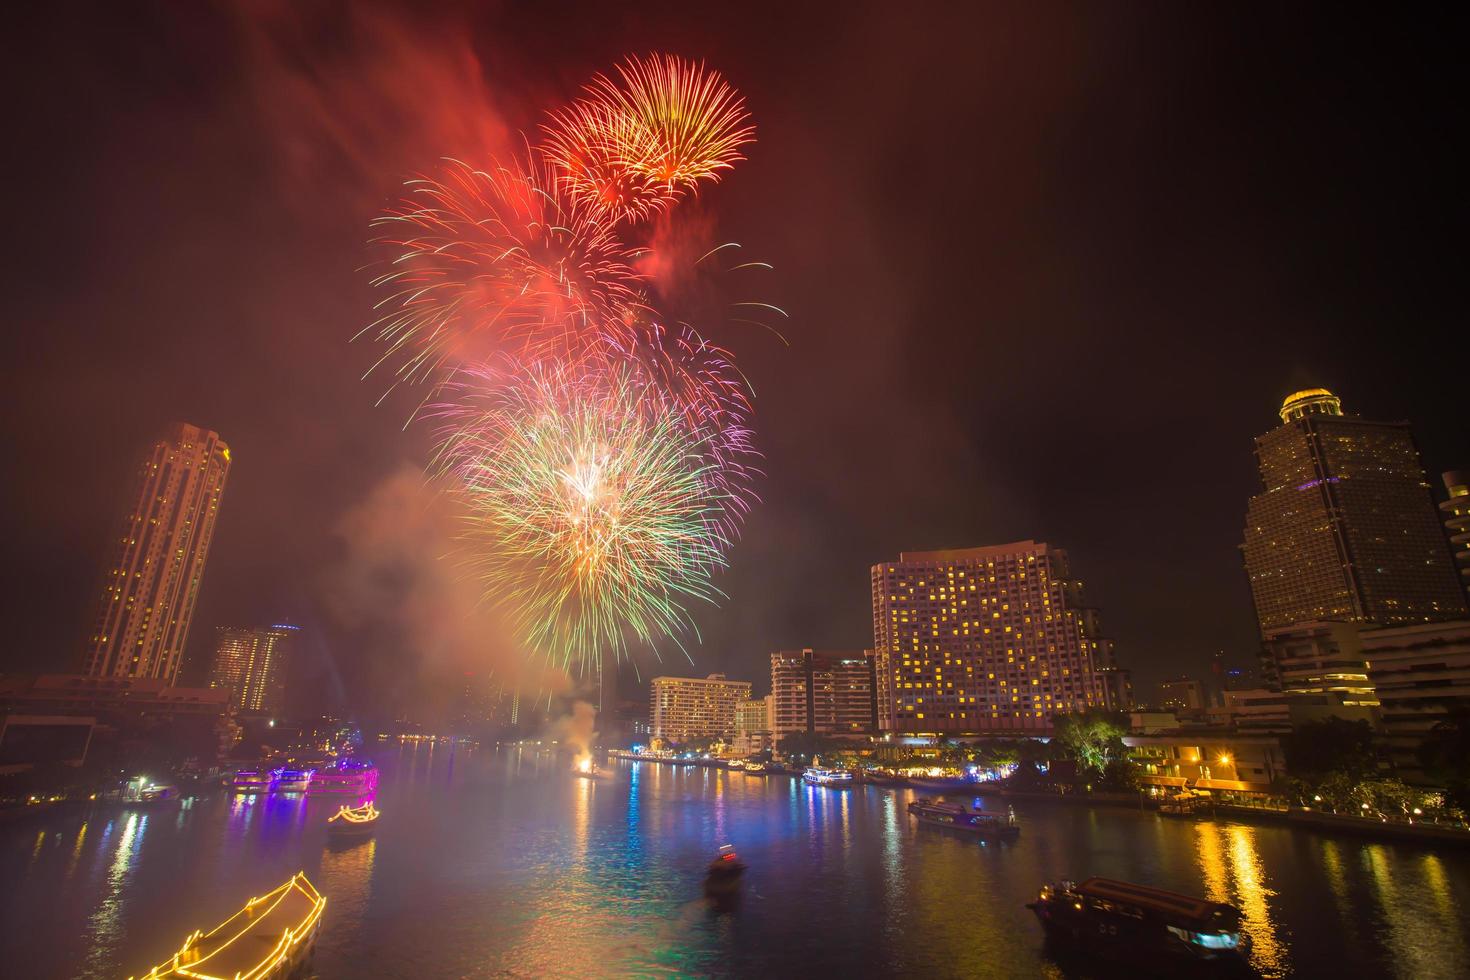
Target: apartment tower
x,y
252,665
157,564
823,692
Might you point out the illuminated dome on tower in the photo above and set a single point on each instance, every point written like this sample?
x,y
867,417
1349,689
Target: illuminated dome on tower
x,y
1310,401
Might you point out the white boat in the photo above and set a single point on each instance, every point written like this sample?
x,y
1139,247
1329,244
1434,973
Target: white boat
x,y
836,778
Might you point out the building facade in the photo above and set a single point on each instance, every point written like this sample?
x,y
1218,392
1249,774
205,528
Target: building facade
x,y
1182,694
1344,528
753,725
824,692
681,708
252,665
1420,673
980,640
1319,658
1456,513
153,577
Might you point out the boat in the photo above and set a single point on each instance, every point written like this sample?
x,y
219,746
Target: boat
x,y
586,768
835,778
353,777
755,768
956,816
1139,924
723,877
272,938
250,781
353,821
285,780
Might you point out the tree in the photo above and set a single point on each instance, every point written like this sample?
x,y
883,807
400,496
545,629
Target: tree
x,y
1092,739
1317,749
1445,756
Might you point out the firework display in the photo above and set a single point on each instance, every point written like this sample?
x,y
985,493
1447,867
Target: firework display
x,y
604,457
595,511
631,146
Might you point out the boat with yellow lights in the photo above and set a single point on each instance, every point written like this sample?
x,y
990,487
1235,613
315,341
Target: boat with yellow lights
x,y
272,938
353,821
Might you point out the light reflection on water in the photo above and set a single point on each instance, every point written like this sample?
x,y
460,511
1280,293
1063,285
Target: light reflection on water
x,y
496,864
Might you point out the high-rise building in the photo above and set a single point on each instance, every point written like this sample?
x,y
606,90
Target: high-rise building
x,y
823,692
252,665
1344,528
993,639
1456,513
682,708
152,581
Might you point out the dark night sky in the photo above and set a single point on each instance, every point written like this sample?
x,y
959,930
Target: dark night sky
x,y
1048,274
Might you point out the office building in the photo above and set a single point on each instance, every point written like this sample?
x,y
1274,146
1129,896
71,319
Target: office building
x,y
1456,513
1420,673
681,708
824,692
978,640
1344,528
252,665
152,580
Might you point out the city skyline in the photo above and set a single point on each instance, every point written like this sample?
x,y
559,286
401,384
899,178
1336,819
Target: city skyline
x,y
1214,301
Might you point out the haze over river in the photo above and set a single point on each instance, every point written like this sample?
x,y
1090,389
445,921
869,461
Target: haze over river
x,y
499,863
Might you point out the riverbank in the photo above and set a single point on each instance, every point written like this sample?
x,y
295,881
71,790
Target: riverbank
x,y
1307,819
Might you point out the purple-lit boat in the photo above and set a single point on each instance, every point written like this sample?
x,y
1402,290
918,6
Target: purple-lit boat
x,y
349,777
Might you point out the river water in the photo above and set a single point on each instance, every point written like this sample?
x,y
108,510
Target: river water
x,y
498,863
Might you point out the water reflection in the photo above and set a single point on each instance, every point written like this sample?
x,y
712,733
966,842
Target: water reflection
x,y
511,866
1231,864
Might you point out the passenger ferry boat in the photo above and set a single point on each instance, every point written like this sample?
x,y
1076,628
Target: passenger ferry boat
x,y
250,781
957,816
353,821
285,780
835,778
350,776
1138,923
272,938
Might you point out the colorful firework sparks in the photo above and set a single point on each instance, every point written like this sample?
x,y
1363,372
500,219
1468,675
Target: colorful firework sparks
x,y
630,147
497,261
593,515
604,457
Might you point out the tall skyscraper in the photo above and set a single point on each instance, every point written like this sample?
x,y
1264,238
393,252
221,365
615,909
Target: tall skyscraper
x,y
993,639
1345,528
153,576
1456,513
691,707
823,692
252,664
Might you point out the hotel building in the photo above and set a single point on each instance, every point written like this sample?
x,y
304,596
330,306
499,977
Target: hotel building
x,y
1345,527
993,639
824,692
252,664
682,708
152,580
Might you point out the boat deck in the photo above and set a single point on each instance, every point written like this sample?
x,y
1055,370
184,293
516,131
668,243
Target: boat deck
x,y
254,942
